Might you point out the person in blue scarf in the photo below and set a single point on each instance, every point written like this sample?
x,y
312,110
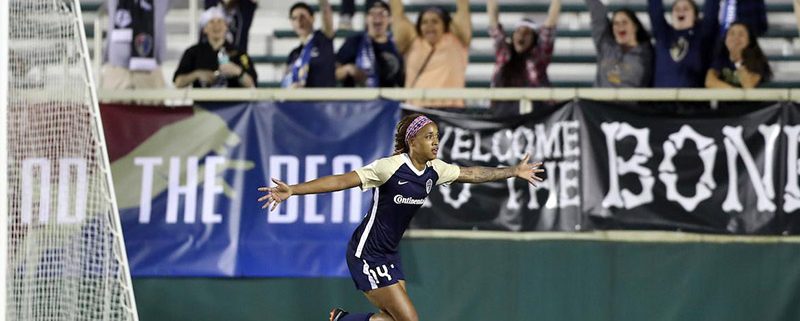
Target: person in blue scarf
x,y
311,64
682,51
370,59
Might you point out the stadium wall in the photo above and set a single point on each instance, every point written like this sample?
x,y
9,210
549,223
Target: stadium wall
x,y
469,279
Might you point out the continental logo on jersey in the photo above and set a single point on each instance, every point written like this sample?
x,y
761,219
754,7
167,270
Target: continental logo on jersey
x,y
399,199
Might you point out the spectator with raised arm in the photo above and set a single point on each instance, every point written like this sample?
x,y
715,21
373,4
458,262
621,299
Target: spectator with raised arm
x,y
797,13
682,49
371,59
214,62
436,49
624,52
348,9
740,62
522,60
239,16
312,63
753,13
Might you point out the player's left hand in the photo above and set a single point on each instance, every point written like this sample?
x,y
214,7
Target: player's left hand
x,y
275,195
529,171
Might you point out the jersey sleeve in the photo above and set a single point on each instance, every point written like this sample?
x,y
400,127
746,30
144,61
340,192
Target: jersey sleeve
x,y
448,173
377,172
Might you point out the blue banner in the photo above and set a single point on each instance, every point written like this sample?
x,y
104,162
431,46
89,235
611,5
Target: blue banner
x,y
186,180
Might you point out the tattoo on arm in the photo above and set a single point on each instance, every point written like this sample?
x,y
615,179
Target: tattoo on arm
x,y
479,174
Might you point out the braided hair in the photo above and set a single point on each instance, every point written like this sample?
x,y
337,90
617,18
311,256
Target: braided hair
x,y
400,145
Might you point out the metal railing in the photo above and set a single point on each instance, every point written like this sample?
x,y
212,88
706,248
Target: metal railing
x,y
507,94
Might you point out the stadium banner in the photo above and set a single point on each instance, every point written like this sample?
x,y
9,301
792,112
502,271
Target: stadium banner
x,y
626,166
550,135
186,179
722,172
186,182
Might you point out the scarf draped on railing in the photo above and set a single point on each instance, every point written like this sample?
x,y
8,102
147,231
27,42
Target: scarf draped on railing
x,y
134,22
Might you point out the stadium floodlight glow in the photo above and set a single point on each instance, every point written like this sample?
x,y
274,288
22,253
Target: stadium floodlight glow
x,y
65,256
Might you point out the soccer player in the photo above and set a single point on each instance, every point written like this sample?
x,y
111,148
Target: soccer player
x,y
400,185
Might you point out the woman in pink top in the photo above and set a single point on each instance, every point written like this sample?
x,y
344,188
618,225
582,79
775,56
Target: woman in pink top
x,y
436,50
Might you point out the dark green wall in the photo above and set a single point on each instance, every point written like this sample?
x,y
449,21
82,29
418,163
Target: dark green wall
x,y
491,280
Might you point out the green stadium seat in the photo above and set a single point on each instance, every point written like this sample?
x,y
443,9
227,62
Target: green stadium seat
x,y
89,7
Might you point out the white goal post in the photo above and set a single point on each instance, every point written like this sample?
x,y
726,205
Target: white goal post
x,y
64,256
3,154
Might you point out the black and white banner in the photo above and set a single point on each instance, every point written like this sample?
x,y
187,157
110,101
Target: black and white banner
x,y
613,166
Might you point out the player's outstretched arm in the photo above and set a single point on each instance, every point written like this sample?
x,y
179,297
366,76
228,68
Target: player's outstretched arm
x,y
279,193
524,170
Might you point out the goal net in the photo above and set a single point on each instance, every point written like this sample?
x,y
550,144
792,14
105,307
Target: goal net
x,y
65,253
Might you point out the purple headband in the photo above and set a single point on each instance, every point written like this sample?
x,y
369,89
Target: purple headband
x,y
415,126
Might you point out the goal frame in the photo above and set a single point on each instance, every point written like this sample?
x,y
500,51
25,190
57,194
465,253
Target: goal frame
x,y
101,139
97,128
4,71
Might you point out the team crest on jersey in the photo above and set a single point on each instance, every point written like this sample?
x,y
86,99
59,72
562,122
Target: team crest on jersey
x,y
428,186
679,49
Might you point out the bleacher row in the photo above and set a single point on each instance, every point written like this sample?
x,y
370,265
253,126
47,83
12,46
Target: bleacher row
x,y
271,39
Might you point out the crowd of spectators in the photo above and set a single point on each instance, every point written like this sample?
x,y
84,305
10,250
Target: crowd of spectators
x,y
714,48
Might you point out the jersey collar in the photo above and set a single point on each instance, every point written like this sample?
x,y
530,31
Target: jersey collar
x,y
408,162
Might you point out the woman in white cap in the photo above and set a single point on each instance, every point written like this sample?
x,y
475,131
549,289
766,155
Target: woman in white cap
x,y
214,62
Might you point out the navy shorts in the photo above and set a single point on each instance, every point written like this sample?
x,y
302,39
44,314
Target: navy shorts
x,y
372,272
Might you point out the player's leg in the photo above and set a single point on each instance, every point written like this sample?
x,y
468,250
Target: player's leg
x,y
382,281
394,301
384,315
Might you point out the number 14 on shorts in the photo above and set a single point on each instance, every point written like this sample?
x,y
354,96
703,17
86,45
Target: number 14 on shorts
x,y
380,271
